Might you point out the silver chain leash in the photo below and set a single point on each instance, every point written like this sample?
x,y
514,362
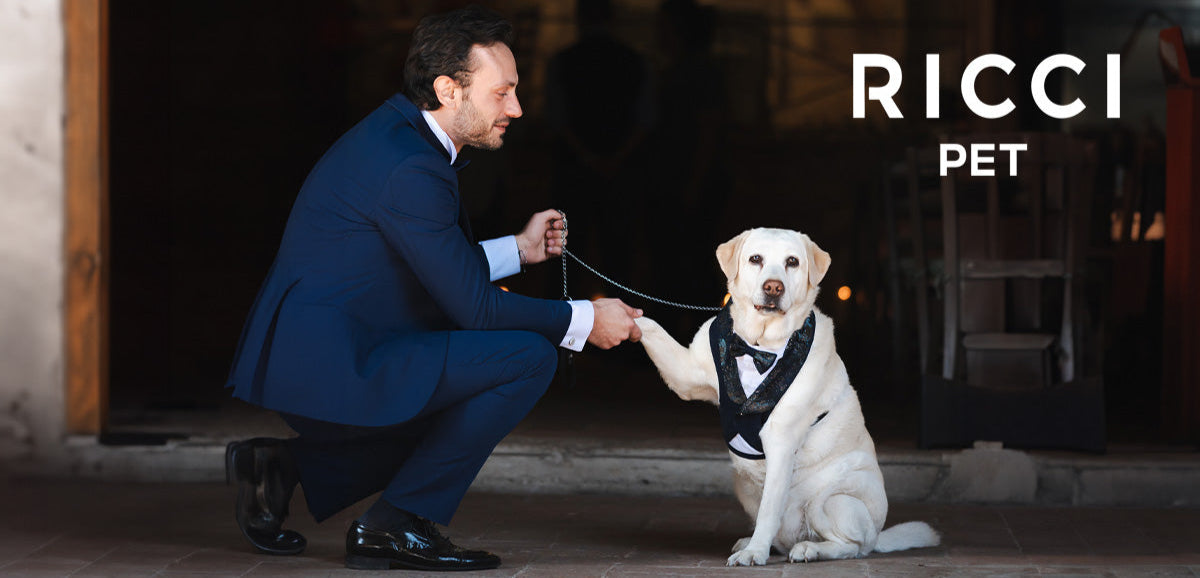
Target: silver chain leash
x,y
623,287
564,265
565,297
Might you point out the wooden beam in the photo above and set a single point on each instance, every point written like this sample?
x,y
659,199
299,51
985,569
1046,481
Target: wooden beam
x,y
1181,262
85,24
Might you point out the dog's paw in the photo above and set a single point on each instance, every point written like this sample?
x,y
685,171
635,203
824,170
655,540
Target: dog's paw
x,y
749,557
813,551
804,552
740,544
647,324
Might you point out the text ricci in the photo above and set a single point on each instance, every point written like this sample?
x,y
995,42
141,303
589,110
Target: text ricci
x,y
955,155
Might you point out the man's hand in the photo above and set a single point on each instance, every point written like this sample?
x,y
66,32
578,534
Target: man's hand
x,y
543,236
614,323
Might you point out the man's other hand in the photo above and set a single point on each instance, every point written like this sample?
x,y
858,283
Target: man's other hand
x,y
614,323
543,236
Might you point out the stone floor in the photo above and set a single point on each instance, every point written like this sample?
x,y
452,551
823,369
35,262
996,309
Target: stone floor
x,y
69,527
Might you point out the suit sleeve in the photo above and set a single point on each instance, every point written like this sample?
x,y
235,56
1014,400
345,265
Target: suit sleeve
x,y
418,214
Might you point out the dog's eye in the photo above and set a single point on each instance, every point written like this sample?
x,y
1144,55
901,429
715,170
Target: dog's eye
x,y
756,259
793,262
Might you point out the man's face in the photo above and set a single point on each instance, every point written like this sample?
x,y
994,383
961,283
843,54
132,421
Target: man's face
x,y
490,101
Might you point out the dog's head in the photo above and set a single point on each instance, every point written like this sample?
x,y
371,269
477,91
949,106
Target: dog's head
x,y
774,271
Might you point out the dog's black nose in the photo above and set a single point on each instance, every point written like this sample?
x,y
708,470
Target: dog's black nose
x,y
773,288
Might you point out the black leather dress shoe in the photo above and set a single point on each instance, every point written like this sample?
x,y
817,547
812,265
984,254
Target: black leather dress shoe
x,y
418,547
263,495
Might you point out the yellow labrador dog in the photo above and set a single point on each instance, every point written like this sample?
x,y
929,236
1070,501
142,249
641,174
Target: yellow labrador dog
x,y
804,465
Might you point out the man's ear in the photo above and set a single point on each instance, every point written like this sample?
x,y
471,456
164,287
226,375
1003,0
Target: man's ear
x,y
447,91
818,262
727,254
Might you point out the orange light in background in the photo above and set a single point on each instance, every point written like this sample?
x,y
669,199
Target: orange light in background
x,y
596,296
1154,232
725,301
503,288
844,293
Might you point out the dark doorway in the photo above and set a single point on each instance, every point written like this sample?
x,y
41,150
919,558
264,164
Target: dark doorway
x,y
218,109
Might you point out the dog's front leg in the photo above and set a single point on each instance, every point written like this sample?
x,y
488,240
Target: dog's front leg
x,y
780,450
689,372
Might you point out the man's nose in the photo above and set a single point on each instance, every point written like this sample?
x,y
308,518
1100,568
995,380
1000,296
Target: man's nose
x,y
773,287
513,110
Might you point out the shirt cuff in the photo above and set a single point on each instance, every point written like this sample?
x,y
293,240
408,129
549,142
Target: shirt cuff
x,y
583,316
503,259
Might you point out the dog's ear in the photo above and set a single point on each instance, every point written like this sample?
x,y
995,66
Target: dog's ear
x,y
818,262
727,254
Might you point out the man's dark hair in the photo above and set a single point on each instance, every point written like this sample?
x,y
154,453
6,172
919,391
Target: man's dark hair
x,y
441,45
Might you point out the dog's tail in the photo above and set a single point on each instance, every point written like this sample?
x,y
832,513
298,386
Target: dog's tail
x,y
907,535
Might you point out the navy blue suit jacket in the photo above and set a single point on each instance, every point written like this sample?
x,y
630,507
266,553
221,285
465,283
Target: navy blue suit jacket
x,y
377,263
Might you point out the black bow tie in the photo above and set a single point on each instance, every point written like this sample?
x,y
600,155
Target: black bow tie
x,y
762,359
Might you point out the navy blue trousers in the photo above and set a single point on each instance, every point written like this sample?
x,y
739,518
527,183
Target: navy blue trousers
x,y
492,379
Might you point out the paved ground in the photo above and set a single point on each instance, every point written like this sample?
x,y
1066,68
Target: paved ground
x,y
78,528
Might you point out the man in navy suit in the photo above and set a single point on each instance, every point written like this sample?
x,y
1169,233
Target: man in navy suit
x,y
378,334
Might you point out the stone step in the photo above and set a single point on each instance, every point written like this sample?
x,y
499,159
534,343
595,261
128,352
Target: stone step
x,y
698,467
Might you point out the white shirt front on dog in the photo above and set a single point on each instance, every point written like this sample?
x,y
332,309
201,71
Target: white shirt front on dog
x,y
751,379
749,374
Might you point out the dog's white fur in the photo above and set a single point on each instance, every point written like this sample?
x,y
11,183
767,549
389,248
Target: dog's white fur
x,y
819,493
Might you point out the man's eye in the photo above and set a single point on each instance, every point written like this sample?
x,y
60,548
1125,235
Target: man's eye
x,y
793,262
756,259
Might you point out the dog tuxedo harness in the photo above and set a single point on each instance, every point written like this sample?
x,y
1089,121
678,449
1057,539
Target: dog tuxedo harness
x,y
744,413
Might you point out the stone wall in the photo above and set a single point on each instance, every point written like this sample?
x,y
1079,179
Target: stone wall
x,y
31,226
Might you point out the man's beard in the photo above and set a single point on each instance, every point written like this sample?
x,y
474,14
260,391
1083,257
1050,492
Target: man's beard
x,y
476,131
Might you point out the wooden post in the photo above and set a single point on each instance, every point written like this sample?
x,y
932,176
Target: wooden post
x,y
1181,265
85,24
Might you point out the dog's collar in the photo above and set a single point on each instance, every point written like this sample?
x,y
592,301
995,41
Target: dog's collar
x,y
763,400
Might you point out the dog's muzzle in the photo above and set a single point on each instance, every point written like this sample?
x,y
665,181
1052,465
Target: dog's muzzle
x,y
772,294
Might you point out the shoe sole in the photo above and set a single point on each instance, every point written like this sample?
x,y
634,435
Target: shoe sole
x,y
355,562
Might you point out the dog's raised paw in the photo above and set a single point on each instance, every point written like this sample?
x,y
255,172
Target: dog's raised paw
x,y
648,325
749,557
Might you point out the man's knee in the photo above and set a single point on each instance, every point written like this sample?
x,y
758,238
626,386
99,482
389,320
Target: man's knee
x,y
531,364
541,356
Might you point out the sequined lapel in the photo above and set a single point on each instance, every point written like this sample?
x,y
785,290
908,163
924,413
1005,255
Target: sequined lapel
x,y
777,381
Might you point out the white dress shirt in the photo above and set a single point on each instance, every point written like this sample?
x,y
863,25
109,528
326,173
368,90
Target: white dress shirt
x,y
751,378
504,260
